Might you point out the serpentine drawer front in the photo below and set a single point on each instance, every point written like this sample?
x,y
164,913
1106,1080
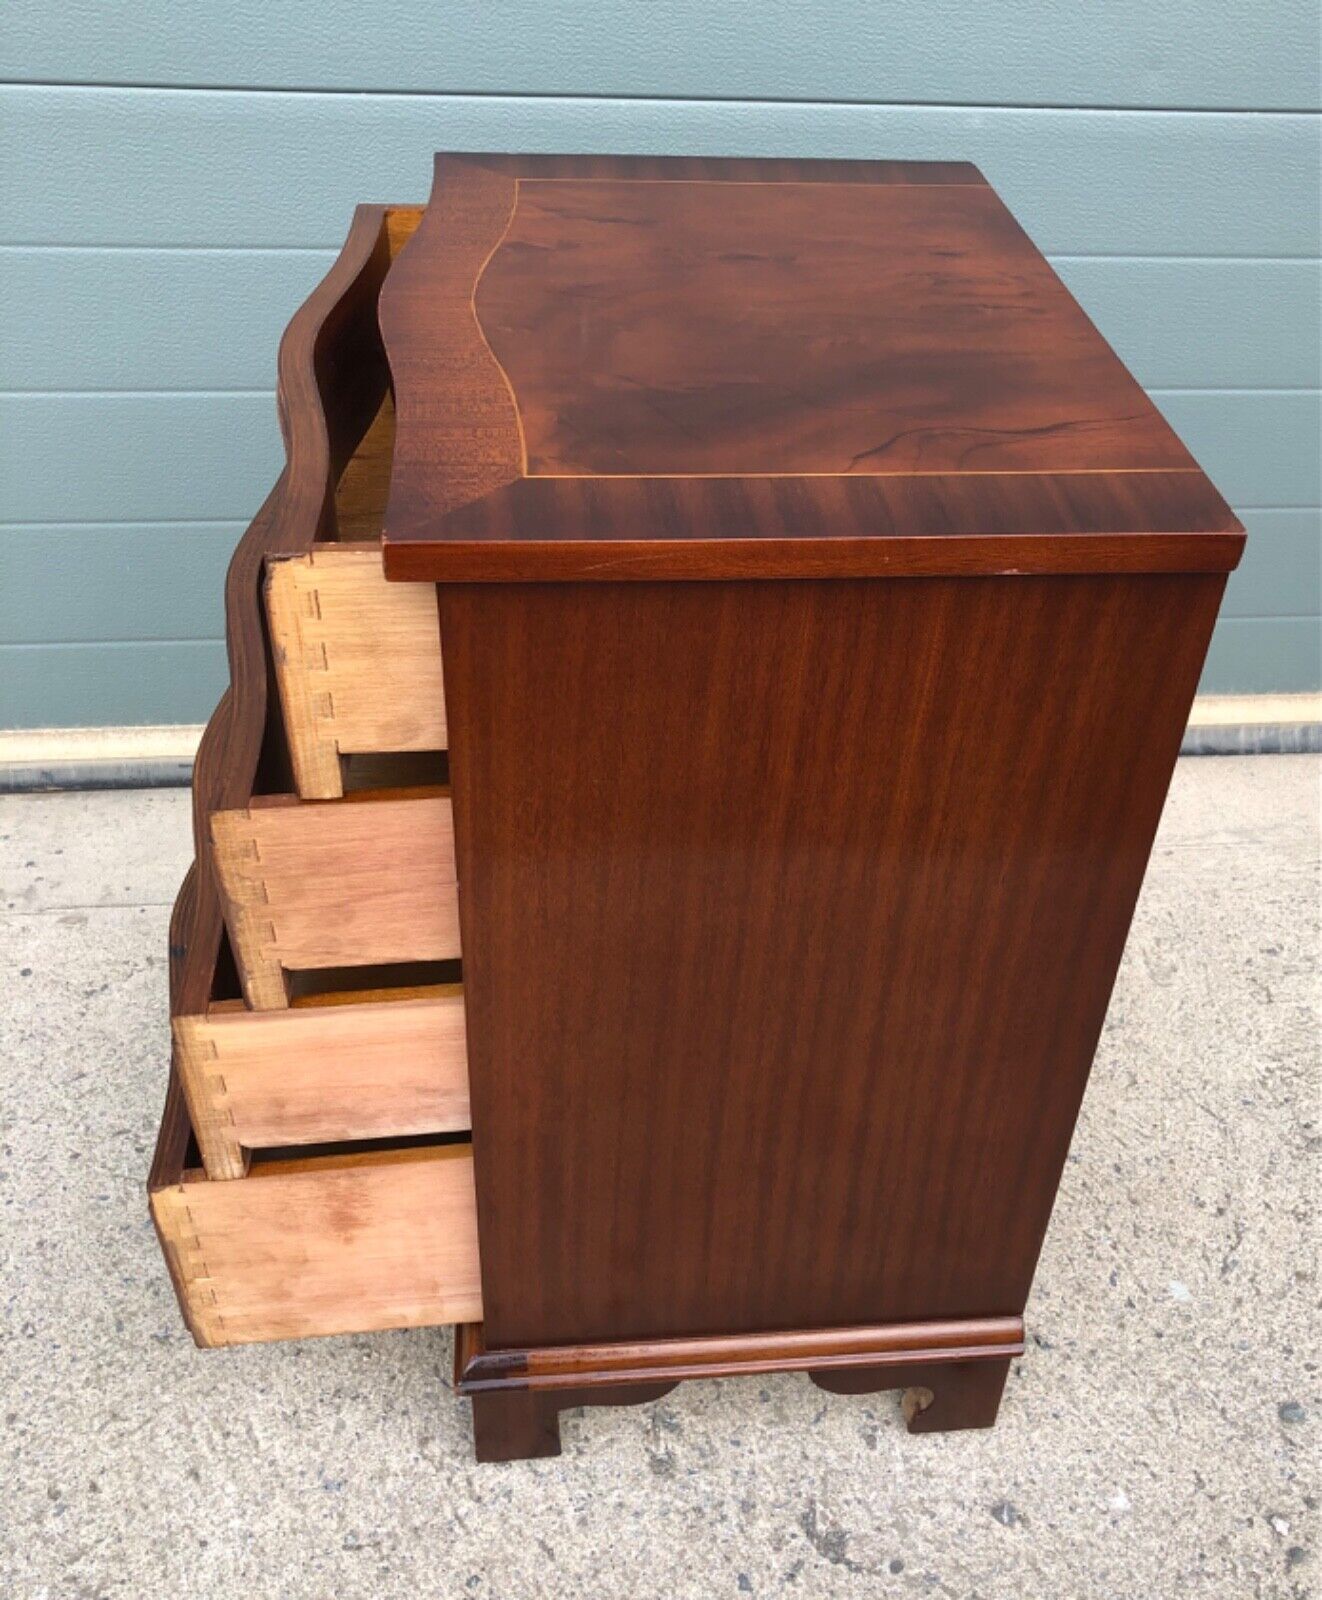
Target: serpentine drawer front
x,y
705,687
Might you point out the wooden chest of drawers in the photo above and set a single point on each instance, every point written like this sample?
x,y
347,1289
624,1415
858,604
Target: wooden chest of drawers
x,y
703,692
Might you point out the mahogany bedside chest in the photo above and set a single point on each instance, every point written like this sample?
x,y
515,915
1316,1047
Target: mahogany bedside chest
x,y
808,605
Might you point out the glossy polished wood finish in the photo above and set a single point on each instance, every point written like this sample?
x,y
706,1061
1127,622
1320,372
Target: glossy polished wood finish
x,y
639,530
790,909
953,1373
479,1370
790,913
627,370
670,329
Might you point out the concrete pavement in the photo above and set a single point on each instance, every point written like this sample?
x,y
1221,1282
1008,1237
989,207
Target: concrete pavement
x,y
1158,1439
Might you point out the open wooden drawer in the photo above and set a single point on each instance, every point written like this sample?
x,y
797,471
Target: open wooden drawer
x,y
357,660
340,1066
347,1242
312,1173
363,881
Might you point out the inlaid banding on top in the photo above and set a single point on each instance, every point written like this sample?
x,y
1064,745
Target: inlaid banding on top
x,y
598,353
457,431
681,329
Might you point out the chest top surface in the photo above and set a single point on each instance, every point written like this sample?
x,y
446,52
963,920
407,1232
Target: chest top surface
x,y
639,367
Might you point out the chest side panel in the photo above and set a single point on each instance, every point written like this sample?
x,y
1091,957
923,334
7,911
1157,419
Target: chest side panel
x,y
790,913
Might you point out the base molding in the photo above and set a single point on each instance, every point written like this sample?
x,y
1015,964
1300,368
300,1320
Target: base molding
x,y
479,1370
952,1373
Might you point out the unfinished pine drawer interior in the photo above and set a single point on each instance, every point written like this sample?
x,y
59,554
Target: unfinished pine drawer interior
x,y
368,880
358,661
348,1242
338,1067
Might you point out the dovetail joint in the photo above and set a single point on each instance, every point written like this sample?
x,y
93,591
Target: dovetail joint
x,y
199,1284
